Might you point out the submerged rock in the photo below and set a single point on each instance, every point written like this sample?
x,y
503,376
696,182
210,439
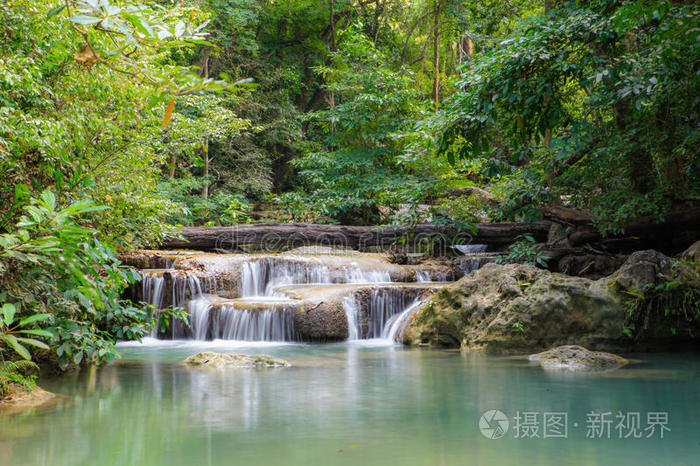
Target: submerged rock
x,y
578,358
518,308
216,360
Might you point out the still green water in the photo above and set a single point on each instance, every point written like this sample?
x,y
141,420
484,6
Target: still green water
x,y
349,404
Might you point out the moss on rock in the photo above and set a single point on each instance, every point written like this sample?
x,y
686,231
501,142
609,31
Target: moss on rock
x,y
217,360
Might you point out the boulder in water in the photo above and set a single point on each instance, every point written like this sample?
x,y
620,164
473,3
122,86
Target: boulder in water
x,y
578,358
217,360
520,309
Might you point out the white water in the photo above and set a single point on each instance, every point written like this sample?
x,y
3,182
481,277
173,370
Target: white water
x,y
352,313
259,280
387,312
152,289
251,325
198,311
422,276
395,327
358,275
383,305
470,248
261,277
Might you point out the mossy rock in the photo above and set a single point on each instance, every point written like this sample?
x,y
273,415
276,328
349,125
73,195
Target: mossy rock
x,y
517,309
578,358
218,360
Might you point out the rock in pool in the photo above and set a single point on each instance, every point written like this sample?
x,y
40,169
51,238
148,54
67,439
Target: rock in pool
x,y
578,358
216,360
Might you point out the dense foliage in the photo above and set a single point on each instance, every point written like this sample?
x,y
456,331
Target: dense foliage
x,y
594,102
121,119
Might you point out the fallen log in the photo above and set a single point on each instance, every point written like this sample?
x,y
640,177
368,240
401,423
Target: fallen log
x,y
285,236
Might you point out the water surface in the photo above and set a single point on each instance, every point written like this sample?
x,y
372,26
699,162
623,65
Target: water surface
x,y
368,403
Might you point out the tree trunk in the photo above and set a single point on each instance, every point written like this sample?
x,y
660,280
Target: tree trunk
x,y
285,236
205,188
639,161
173,163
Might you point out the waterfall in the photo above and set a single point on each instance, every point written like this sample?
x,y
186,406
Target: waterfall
x,y
422,276
152,289
260,277
185,287
383,305
358,275
255,325
352,313
397,324
383,313
198,311
470,248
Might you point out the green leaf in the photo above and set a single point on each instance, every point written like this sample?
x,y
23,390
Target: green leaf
x,y
33,342
35,318
38,332
8,311
77,357
55,11
83,19
21,350
49,198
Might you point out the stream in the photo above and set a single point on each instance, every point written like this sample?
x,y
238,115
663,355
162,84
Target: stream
x,y
364,399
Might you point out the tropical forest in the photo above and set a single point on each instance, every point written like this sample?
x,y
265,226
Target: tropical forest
x,y
342,232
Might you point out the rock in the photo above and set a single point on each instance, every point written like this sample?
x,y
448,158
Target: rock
x,y
518,308
324,250
323,322
578,358
217,360
20,398
558,236
692,253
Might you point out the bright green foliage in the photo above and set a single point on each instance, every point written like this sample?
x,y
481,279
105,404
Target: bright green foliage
x,y
57,273
356,168
13,372
614,83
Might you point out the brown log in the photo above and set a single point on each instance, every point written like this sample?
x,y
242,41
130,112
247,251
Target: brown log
x,y
285,236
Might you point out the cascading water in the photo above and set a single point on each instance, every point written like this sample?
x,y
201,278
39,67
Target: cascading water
x,y
474,257
470,248
273,320
352,313
255,325
261,277
229,323
394,328
358,275
380,318
422,276
383,305
153,287
185,287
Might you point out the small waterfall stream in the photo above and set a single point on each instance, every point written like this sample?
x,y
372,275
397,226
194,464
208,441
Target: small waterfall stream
x,y
385,316
352,314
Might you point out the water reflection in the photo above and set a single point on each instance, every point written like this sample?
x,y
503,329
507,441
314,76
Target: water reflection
x,y
391,405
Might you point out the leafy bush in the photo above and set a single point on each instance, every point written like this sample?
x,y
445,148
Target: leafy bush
x,y
54,266
523,251
15,372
